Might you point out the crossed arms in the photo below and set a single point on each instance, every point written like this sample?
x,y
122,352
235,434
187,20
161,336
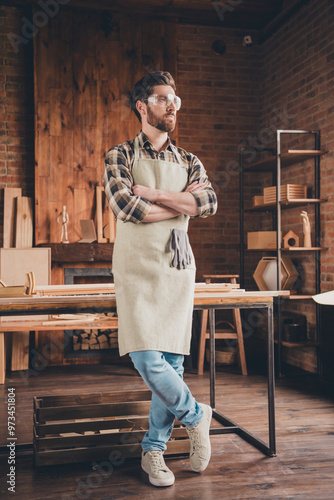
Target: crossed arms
x,y
166,204
137,203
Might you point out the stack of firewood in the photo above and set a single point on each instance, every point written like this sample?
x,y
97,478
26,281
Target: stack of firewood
x,y
94,339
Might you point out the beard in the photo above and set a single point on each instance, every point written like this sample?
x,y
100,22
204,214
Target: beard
x,y
163,123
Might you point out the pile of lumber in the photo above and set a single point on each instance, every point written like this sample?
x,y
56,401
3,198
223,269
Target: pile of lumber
x,y
94,339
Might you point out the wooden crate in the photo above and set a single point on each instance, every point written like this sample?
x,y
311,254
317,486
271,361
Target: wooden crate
x,y
88,427
257,200
259,240
289,192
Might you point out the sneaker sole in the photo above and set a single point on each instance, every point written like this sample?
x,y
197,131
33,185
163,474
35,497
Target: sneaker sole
x,y
159,482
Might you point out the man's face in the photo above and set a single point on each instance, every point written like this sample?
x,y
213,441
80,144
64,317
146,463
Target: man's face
x,y
162,118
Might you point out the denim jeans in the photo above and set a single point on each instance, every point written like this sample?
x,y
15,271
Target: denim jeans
x,y
171,397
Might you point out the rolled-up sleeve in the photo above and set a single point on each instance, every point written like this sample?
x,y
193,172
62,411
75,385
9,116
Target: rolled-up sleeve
x,y
206,198
118,184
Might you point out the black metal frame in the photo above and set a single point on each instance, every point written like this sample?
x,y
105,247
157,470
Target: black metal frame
x,y
316,134
278,227
229,426
241,206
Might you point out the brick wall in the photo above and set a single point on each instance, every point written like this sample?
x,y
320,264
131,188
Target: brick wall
x,y
220,108
244,94
16,108
297,82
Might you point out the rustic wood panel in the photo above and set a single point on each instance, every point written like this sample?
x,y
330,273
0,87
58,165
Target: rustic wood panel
x,y
81,87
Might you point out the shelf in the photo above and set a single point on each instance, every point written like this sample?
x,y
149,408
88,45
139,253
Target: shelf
x,y
290,249
299,297
289,158
303,249
305,343
271,162
286,204
295,296
80,252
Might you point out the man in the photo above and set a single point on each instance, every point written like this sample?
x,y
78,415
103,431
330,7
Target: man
x,y
153,188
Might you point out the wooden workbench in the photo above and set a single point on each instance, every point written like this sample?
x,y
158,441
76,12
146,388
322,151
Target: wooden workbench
x,y
208,299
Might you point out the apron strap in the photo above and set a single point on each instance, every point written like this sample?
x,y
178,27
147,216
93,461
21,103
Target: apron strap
x,y
136,152
136,148
175,151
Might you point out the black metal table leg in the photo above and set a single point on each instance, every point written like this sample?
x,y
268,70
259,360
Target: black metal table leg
x,y
271,382
212,359
228,425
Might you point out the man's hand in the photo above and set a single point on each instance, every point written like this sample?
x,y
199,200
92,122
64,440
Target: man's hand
x,y
149,194
152,194
195,186
183,202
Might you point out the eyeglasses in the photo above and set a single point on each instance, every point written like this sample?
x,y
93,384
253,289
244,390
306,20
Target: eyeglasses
x,y
165,100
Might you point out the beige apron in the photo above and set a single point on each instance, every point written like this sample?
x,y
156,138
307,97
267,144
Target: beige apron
x,y
154,299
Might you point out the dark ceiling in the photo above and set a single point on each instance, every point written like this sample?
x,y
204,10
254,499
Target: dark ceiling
x,y
260,15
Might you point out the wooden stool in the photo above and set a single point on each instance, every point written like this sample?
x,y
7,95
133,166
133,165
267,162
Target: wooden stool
x,y
233,331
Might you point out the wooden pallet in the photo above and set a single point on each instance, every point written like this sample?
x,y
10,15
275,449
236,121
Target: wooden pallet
x,y
88,427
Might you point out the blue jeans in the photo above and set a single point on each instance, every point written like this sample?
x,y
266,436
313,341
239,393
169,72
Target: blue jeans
x,y
171,397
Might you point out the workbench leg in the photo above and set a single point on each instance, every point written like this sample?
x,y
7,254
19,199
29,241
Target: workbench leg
x,y
212,359
241,346
20,351
2,359
202,341
271,383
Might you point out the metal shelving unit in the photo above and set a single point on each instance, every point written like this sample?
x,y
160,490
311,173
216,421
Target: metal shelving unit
x,y
274,164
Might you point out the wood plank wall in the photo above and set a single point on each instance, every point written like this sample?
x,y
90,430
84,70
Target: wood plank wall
x,y
85,63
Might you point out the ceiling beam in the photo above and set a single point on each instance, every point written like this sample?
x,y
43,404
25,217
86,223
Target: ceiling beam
x,y
280,20
243,14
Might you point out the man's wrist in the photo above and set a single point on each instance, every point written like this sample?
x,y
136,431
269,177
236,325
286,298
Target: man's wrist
x,y
161,196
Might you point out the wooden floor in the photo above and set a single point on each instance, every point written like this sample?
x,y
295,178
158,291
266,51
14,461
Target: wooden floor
x,y
303,469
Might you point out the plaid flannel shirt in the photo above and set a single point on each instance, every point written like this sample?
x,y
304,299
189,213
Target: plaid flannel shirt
x,y
118,180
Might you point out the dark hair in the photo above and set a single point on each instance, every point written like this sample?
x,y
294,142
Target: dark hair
x,y
144,88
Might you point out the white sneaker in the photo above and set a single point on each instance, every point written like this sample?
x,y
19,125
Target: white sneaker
x,y
200,447
153,463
